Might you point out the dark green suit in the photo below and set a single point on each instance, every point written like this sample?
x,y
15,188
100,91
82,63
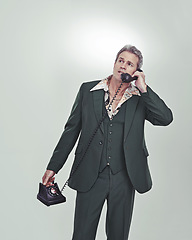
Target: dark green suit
x,y
96,183
84,117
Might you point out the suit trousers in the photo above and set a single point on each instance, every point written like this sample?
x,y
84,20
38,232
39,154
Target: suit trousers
x,y
119,193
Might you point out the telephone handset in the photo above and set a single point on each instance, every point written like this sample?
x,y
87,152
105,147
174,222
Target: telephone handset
x,y
127,78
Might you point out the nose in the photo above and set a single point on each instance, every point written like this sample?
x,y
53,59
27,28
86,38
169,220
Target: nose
x,y
123,66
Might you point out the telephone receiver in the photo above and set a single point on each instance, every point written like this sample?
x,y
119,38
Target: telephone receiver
x,y
127,78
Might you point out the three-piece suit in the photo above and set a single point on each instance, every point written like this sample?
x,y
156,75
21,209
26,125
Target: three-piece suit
x,y
115,164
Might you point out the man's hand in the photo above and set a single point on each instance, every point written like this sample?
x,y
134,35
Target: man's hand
x,y
48,178
140,82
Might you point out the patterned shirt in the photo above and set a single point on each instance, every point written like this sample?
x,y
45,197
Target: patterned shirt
x,y
129,92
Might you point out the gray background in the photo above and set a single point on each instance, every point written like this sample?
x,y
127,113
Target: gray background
x,y
48,48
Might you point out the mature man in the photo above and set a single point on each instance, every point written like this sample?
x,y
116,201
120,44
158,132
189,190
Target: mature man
x,y
115,164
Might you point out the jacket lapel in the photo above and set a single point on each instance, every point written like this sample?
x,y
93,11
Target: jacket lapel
x,y
98,99
129,114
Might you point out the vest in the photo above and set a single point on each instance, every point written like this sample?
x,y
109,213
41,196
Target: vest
x,y
113,153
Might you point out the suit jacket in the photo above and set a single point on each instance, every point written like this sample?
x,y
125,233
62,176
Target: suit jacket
x,y
85,115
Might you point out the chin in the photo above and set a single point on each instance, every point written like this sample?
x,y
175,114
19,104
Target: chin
x,y
117,77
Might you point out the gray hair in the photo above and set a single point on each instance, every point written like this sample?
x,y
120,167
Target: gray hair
x,y
134,50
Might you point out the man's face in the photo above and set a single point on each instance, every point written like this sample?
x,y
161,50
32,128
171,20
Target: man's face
x,y
126,63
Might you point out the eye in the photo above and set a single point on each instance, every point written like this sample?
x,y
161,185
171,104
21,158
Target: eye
x,y
130,64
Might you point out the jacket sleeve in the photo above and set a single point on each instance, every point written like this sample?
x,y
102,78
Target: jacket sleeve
x,y
157,111
69,136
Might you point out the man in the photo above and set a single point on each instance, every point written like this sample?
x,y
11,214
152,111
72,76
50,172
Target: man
x,y
115,164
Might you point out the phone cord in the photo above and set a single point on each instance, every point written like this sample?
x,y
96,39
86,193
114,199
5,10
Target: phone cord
x,y
91,138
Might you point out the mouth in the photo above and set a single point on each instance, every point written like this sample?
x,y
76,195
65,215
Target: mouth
x,y
120,72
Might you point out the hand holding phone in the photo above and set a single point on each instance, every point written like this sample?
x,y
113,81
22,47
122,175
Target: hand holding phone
x,y
127,78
